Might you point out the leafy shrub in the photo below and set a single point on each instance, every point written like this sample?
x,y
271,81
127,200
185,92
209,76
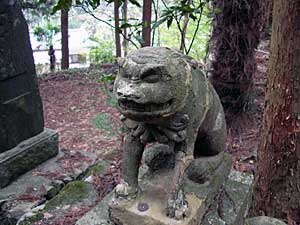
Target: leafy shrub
x,y
45,32
82,57
103,52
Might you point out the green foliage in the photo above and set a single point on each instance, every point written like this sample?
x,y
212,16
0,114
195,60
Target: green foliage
x,y
178,11
107,81
35,10
173,16
46,32
82,58
66,4
103,122
111,100
103,52
75,23
108,78
98,168
61,4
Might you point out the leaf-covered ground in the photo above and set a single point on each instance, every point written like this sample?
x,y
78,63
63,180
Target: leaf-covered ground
x,y
81,109
75,105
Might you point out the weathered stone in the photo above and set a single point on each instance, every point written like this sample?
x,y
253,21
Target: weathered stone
x,y
154,192
43,183
21,113
166,98
74,193
264,220
233,201
60,197
99,214
159,156
27,155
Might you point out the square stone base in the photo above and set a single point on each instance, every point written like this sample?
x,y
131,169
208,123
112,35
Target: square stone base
x,y
27,155
154,189
128,213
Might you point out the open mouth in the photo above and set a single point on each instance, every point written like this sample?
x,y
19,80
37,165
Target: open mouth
x,y
149,107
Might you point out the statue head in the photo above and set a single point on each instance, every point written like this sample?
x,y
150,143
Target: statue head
x,y
152,83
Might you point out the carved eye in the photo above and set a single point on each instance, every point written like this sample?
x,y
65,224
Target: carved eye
x,y
124,75
150,76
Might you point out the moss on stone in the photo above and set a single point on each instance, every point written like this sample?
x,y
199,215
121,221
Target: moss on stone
x,y
72,193
111,154
98,168
33,219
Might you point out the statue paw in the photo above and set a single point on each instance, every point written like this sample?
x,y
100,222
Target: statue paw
x,y
124,191
178,207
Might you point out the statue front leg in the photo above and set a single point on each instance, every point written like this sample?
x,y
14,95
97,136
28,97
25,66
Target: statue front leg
x,y
132,155
177,206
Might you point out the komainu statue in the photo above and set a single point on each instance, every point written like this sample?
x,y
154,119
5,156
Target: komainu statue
x,y
165,97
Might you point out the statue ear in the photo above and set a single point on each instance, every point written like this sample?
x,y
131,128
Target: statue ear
x,y
121,61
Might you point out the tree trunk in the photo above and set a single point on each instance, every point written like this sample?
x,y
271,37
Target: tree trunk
x,y
117,29
64,39
184,29
146,32
269,10
267,19
277,189
125,34
236,32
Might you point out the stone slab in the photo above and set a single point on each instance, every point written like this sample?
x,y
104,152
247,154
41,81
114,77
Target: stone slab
x,y
99,214
200,196
21,111
264,220
27,155
27,192
232,204
156,198
76,194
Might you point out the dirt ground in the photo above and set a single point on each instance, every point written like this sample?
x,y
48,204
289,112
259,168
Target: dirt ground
x,y
74,105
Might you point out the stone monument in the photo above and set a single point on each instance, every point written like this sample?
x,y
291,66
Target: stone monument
x,y
166,98
175,170
24,143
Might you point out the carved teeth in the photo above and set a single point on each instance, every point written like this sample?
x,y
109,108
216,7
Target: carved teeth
x,y
150,107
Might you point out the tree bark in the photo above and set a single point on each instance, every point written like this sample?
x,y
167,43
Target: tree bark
x,y
267,19
184,29
64,39
277,188
117,29
236,33
125,20
146,32
268,10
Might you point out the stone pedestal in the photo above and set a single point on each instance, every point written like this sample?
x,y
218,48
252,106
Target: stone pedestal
x,y
27,155
153,192
224,199
128,214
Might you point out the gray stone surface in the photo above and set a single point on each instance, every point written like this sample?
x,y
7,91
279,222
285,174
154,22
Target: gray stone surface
x,y
166,97
43,183
231,205
99,214
264,220
199,195
27,155
21,113
75,193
